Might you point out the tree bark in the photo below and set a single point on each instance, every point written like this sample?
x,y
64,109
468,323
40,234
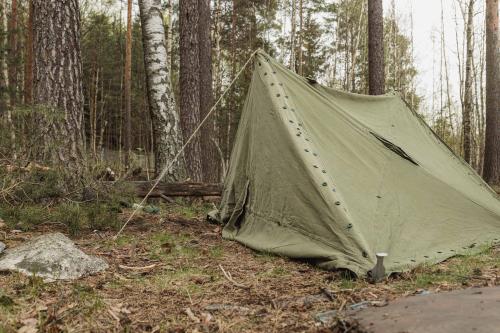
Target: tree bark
x,y
169,12
190,85
128,86
491,168
165,120
58,80
301,37
28,62
467,107
376,75
292,36
209,156
13,57
178,189
12,73
4,68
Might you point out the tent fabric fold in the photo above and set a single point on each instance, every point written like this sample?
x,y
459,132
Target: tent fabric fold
x,y
335,177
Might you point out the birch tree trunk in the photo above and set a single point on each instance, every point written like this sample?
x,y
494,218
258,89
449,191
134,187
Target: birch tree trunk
x,y
467,107
190,85
165,120
376,76
491,168
58,80
208,131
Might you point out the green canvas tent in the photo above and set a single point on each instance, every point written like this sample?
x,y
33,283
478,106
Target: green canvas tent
x,y
335,177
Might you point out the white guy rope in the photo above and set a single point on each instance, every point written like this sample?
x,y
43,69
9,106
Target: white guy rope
x,y
168,166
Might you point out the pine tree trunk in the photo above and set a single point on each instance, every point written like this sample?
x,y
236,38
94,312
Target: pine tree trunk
x,y
301,37
491,168
13,57
467,108
208,131
58,79
376,47
230,113
165,120
128,86
292,36
190,85
28,62
4,69
12,73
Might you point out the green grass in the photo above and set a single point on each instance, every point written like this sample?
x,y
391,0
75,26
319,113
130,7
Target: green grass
x,y
166,247
188,210
216,252
457,270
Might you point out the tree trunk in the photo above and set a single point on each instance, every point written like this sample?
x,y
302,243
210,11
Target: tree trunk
x,y
230,114
491,168
4,68
13,57
376,47
164,117
190,85
12,73
292,36
177,189
58,80
301,37
208,131
28,62
467,108
128,86
169,12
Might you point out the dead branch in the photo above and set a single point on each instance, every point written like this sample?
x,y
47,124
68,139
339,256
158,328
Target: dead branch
x,y
228,276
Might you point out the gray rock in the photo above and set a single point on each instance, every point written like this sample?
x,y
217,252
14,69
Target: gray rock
x,y
326,317
2,247
52,257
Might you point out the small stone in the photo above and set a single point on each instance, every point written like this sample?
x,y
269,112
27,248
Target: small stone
x,y
2,247
326,317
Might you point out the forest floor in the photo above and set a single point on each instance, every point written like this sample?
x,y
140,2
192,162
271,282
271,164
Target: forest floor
x,y
166,274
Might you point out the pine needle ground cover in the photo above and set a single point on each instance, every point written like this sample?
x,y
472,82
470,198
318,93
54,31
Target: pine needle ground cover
x,y
172,272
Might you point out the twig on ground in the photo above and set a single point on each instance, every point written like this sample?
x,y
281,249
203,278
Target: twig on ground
x,y
228,276
144,268
342,306
191,315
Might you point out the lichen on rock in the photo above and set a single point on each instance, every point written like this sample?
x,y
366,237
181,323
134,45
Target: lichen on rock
x,y
51,257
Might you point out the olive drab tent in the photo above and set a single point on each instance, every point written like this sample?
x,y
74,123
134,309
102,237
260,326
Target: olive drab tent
x,y
335,178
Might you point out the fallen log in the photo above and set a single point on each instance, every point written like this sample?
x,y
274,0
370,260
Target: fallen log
x,y
178,189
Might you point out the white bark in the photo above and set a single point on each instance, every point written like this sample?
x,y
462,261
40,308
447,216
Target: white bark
x,y
167,133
